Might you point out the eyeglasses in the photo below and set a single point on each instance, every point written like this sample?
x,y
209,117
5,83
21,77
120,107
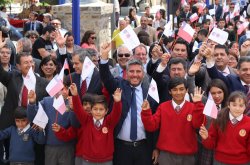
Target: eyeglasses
x,y
125,54
93,38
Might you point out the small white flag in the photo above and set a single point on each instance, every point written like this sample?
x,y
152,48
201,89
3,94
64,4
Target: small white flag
x,y
212,12
195,46
55,85
87,68
129,38
30,80
168,31
153,91
41,119
219,36
59,104
210,108
248,34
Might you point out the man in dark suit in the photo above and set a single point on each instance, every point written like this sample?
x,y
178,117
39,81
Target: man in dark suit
x,y
133,145
92,84
218,9
240,82
17,95
33,24
186,12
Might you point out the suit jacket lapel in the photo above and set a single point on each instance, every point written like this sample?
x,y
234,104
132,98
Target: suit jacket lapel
x,y
145,86
93,81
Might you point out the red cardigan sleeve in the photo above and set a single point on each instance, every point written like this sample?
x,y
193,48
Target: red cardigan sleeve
x,y
114,117
211,141
151,122
198,115
66,134
81,114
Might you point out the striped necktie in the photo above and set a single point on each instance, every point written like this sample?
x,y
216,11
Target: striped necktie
x,y
234,121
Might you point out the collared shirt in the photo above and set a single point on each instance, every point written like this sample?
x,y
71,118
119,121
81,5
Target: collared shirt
x,y
226,71
239,118
25,129
175,105
244,84
124,134
101,120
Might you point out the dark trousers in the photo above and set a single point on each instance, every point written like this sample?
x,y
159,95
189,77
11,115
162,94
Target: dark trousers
x,y
39,154
219,163
167,158
128,154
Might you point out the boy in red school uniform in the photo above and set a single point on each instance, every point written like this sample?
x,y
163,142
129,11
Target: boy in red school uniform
x,y
97,140
229,134
177,120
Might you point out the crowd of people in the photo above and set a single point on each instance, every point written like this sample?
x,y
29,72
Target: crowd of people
x,y
110,118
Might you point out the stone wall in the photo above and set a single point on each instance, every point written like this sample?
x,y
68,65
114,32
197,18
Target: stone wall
x,y
93,16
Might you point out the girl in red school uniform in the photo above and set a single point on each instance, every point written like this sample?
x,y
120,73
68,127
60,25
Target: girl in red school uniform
x,y
229,134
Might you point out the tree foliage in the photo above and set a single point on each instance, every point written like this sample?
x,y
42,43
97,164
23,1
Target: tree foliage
x,y
5,2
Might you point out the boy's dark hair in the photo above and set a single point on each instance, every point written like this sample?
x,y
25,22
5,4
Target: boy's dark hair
x,y
20,113
177,81
100,99
49,29
203,32
88,97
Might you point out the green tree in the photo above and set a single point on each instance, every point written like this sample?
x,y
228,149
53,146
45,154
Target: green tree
x,y
5,2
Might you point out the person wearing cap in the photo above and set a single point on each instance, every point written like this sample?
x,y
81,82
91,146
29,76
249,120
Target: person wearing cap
x,y
47,17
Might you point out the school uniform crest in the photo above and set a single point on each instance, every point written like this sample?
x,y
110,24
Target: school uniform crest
x,y
105,130
242,132
189,117
25,137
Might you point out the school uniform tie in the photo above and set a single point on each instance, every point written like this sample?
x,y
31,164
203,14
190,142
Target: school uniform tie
x,y
24,100
248,100
218,107
97,124
133,112
234,121
83,88
177,108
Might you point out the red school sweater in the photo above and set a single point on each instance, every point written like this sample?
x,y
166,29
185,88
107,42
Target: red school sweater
x,y
97,144
177,130
233,145
70,134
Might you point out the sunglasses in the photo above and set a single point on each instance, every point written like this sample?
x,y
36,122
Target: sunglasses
x,y
93,38
125,54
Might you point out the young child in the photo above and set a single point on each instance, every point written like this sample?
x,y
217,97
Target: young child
x,y
229,134
97,141
56,151
87,102
22,139
177,121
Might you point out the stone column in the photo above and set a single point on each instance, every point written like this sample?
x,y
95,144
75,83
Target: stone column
x,y
93,16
